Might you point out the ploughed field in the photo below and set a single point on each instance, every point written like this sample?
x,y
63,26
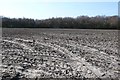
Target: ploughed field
x,y
60,53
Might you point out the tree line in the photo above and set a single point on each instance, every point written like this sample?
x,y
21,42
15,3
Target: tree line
x,y
80,22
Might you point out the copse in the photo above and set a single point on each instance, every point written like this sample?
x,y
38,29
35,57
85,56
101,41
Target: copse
x,y
80,22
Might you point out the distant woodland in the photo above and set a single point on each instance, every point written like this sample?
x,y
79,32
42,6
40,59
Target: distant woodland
x,y
80,22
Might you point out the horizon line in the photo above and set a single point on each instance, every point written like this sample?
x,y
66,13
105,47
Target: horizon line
x,y
57,17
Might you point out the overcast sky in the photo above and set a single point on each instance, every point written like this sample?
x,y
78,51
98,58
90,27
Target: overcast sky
x,y
42,9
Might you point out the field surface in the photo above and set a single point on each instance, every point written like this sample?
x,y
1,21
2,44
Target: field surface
x,y
60,53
